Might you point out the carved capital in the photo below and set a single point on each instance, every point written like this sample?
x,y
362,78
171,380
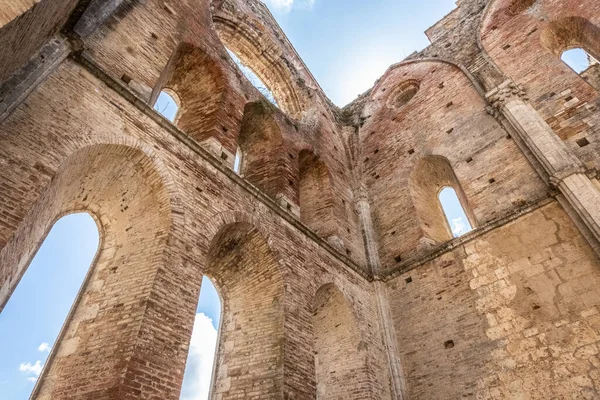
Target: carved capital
x,y
502,94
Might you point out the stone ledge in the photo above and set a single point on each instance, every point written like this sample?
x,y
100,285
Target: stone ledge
x,y
419,260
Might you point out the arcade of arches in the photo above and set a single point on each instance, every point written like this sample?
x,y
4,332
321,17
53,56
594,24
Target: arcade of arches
x,y
332,235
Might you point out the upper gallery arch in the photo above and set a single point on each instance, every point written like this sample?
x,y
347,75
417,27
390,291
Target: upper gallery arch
x,y
261,50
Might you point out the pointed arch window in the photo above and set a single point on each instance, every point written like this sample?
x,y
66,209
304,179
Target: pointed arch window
x,y
31,322
457,219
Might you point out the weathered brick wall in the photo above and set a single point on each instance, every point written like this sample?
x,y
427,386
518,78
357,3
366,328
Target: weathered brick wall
x,y
520,305
536,35
52,125
25,26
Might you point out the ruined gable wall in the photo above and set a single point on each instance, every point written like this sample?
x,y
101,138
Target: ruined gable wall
x,y
446,117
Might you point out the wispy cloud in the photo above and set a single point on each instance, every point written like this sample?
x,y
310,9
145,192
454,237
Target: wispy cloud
x,y
197,379
287,5
29,368
44,347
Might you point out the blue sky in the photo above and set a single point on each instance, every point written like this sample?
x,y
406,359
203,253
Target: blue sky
x,y
576,59
347,45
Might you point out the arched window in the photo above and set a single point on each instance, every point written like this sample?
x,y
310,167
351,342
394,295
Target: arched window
x,y
32,319
253,78
237,162
197,379
167,106
455,214
578,59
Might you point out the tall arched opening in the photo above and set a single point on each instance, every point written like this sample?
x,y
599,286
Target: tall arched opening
x,y
339,352
316,195
31,321
249,361
262,150
109,341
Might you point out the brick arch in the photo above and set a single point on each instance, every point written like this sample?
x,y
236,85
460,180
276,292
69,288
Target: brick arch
x,y
201,87
340,354
123,189
245,36
247,274
571,32
316,200
429,176
264,158
381,83
534,35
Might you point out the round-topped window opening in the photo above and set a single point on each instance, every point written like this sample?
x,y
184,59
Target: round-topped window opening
x,y
402,94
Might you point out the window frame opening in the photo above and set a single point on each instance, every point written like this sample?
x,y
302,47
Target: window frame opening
x,y
187,386
591,60
447,217
238,161
172,97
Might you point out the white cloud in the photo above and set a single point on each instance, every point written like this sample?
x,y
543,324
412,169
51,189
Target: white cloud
x,y
44,347
197,379
30,368
458,226
32,379
286,5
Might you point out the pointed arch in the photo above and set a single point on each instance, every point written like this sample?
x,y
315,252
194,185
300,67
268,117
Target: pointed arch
x,y
263,153
199,85
245,36
316,195
430,175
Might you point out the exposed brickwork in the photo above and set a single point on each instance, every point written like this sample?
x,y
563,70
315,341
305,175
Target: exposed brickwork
x,y
336,266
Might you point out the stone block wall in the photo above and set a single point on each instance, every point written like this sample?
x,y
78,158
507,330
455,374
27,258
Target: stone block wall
x,y
510,314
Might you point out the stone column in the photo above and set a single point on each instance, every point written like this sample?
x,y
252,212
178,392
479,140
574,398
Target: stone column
x,y
364,212
565,171
388,333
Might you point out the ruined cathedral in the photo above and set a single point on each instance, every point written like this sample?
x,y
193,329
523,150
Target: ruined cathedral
x,y
321,227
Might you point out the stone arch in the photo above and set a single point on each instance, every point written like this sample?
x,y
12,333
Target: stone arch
x,y
316,195
123,188
339,350
263,153
201,87
246,37
247,275
430,175
571,32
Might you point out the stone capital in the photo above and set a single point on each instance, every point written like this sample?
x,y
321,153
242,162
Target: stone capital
x,y
502,94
